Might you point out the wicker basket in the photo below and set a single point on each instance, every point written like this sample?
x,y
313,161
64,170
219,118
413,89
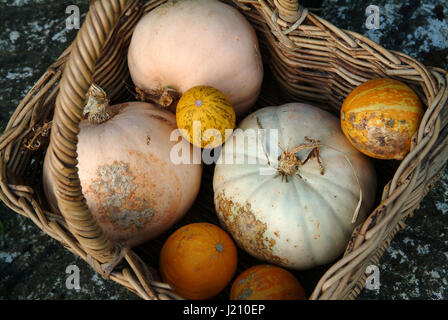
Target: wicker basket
x,y
307,58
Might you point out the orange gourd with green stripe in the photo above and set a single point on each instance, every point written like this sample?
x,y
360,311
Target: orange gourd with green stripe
x,y
266,282
205,116
380,116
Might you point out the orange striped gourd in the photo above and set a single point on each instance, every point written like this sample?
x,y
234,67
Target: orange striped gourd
x,y
380,116
205,116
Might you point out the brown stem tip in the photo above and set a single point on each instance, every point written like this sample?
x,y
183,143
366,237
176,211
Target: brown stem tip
x,y
97,108
289,161
164,97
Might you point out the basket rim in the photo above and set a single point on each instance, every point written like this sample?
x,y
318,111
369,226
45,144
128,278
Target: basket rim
x,y
105,256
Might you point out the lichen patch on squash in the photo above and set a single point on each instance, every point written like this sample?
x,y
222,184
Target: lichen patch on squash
x,y
115,189
114,183
245,294
127,218
379,134
246,229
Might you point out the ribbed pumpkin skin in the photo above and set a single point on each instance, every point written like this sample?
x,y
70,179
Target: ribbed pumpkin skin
x,y
209,108
307,220
266,282
380,117
198,260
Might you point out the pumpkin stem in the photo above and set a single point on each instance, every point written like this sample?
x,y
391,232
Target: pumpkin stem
x,y
164,97
97,108
289,161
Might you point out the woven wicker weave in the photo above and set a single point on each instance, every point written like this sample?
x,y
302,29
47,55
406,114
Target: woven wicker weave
x,y
309,60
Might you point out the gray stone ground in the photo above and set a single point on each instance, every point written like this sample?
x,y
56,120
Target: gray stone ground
x,y
33,266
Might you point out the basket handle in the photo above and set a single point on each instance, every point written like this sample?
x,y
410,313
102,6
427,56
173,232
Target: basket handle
x,y
288,10
101,19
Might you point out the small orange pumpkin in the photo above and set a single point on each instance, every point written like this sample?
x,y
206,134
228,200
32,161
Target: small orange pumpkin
x,y
266,282
380,116
199,260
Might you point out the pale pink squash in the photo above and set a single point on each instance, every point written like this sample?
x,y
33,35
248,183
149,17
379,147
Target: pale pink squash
x,y
131,186
183,44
